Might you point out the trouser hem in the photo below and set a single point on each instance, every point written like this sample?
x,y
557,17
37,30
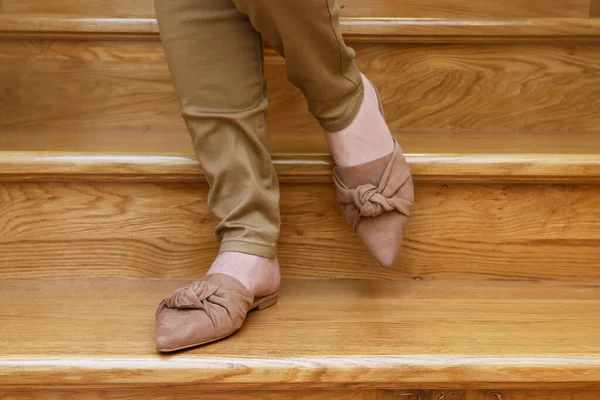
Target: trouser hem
x,y
348,117
246,247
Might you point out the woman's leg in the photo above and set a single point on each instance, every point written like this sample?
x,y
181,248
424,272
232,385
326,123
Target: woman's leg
x,y
372,177
307,33
215,58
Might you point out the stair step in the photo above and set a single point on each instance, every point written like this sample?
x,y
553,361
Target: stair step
x,y
311,394
136,207
79,198
397,27
282,394
164,229
125,87
502,138
299,156
98,334
358,8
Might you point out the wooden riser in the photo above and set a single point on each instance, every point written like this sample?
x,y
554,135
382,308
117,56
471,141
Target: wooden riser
x,y
125,86
323,334
136,229
573,394
351,8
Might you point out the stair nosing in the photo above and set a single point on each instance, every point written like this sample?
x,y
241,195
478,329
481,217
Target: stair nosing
x,y
313,167
354,29
227,372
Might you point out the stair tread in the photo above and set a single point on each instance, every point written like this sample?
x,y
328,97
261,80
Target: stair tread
x,y
303,155
99,332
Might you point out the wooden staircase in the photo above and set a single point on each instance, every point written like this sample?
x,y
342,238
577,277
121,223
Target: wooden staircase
x,y
496,295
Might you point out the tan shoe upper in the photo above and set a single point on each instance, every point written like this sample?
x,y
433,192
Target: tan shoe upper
x,y
208,309
376,199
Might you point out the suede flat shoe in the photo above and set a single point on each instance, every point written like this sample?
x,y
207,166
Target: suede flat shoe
x,y
209,309
376,199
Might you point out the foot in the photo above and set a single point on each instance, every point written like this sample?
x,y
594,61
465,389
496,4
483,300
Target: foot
x,y
367,138
373,180
259,275
215,307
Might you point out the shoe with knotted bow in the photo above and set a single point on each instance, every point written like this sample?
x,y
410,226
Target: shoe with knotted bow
x,y
209,309
376,199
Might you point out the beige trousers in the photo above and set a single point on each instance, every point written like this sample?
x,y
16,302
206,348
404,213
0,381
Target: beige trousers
x,y
214,50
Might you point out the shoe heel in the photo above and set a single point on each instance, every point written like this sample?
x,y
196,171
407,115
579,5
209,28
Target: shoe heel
x,y
267,303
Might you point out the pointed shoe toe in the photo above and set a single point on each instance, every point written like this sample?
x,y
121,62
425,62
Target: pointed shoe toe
x,y
176,329
209,309
382,236
376,199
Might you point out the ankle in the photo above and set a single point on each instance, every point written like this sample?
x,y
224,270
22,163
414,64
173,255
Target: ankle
x,y
260,275
367,138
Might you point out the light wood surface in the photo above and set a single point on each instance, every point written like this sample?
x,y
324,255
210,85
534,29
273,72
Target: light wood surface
x,y
447,87
87,190
429,163
460,30
99,333
315,394
354,29
463,8
494,394
117,101
473,231
350,8
126,87
594,8
90,142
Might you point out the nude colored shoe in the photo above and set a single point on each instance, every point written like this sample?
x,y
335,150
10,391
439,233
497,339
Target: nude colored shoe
x,y
209,309
376,199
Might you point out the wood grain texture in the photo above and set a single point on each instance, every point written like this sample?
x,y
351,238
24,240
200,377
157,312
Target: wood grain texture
x,y
354,29
161,230
565,394
118,96
324,334
202,395
476,30
539,394
594,8
448,87
494,88
350,8
308,168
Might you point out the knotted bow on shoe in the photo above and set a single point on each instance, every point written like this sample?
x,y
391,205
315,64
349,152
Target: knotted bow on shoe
x,y
209,308
194,295
370,201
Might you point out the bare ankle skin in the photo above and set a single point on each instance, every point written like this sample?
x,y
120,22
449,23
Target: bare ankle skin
x,y
367,138
260,275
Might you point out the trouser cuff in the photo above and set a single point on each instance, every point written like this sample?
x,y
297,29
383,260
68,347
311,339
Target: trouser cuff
x,y
257,249
330,125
